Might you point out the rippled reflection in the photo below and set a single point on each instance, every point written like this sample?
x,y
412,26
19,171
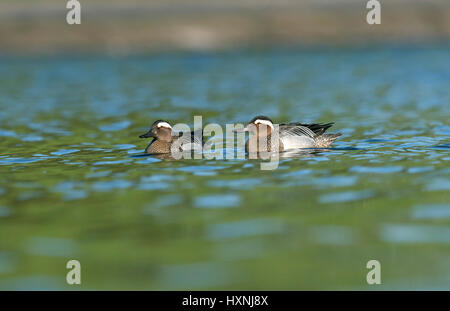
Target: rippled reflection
x,y
77,184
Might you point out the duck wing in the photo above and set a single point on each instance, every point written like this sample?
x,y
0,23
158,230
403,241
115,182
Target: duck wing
x,y
191,140
311,130
295,130
295,136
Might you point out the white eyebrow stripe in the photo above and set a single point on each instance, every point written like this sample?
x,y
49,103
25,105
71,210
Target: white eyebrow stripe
x,y
266,122
164,124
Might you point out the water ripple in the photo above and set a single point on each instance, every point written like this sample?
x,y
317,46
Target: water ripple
x,y
438,184
339,197
111,185
413,234
118,126
377,170
111,162
431,211
9,161
64,151
217,201
46,246
5,212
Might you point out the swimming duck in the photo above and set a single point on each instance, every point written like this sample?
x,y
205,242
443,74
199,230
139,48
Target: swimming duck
x,y
164,137
291,136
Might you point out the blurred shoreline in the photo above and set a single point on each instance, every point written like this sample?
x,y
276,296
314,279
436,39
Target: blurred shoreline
x,y
139,26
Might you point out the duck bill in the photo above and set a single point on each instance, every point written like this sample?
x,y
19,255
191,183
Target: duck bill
x,y
147,135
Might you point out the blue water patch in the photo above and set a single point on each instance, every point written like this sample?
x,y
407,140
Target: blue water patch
x,y
335,181
4,212
420,169
134,151
75,195
53,247
65,186
32,138
438,184
442,130
217,201
48,128
111,185
193,169
376,169
348,196
201,170
320,159
431,211
298,173
158,182
154,185
124,146
69,191
9,161
7,262
64,151
111,162
28,195
205,173
7,133
410,133
377,140
149,159
161,177
118,126
236,184
414,234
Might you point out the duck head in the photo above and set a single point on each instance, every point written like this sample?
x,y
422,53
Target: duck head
x,y
160,130
260,126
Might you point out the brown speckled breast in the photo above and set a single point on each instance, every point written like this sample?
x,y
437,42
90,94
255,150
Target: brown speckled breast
x,y
158,146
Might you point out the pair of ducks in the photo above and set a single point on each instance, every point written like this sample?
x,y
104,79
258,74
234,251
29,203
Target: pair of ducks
x,y
290,136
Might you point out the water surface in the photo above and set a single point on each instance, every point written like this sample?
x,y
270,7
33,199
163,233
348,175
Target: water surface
x,y
73,187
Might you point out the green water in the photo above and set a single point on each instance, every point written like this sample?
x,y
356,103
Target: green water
x,y
73,186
